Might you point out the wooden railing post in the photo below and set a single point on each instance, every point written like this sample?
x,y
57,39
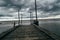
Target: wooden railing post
x,y
14,24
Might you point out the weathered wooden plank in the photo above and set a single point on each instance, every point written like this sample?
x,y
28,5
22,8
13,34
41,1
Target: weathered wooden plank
x,y
27,32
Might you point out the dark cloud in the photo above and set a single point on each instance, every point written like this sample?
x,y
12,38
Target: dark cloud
x,y
48,7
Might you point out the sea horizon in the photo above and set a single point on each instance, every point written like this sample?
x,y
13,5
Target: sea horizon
x,y
8,19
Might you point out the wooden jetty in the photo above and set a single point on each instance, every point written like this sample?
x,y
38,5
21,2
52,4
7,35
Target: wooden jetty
x,y
26,32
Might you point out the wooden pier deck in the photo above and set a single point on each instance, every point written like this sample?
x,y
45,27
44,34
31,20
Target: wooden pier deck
x,y
26,32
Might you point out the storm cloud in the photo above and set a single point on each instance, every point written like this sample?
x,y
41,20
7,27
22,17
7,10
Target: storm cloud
x,y
46,8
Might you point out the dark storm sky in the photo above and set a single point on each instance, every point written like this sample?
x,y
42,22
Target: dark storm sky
x,y
46,8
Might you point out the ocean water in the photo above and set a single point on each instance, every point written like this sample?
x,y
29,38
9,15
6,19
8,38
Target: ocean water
x,y
4,26
53,26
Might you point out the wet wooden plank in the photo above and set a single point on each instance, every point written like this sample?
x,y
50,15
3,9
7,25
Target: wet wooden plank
x,y
27,32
